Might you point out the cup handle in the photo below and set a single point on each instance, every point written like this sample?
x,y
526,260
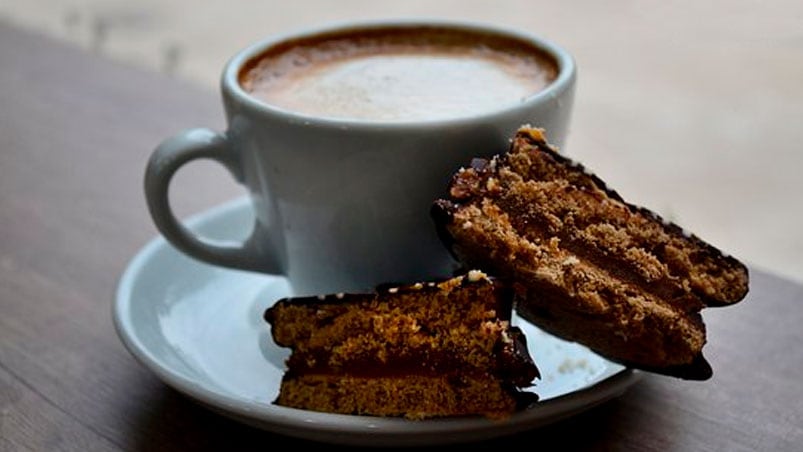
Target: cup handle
x,y
165,160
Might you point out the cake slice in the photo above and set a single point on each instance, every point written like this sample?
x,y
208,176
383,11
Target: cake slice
x,y
586,265
418,351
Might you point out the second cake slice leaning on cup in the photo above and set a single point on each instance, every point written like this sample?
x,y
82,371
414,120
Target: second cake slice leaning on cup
x,y
586,265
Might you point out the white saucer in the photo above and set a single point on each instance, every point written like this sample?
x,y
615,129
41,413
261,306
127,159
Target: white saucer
x,y
200,329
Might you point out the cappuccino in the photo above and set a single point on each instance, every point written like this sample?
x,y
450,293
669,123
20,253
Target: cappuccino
x,y
341,205
398,74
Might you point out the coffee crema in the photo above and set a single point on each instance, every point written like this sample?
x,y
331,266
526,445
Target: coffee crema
x,y
398,74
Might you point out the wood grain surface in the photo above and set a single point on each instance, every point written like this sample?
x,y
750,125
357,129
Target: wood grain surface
x,y
75,133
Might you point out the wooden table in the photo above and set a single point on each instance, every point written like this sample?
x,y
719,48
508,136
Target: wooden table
x,y
75,133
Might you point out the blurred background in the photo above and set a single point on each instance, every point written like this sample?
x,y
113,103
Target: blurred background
x,y
693,109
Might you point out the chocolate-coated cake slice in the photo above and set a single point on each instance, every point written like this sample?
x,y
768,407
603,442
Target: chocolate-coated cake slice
x,y
418,351
586,265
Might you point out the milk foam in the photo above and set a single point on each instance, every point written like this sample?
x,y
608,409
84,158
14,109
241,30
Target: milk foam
x,y
403,87
400,76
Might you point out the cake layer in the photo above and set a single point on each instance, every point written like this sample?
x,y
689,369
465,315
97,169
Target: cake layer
x,y
412,396
506,359
586,265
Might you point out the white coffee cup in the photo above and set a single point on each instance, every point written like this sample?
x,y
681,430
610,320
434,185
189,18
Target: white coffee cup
x,y
342,203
